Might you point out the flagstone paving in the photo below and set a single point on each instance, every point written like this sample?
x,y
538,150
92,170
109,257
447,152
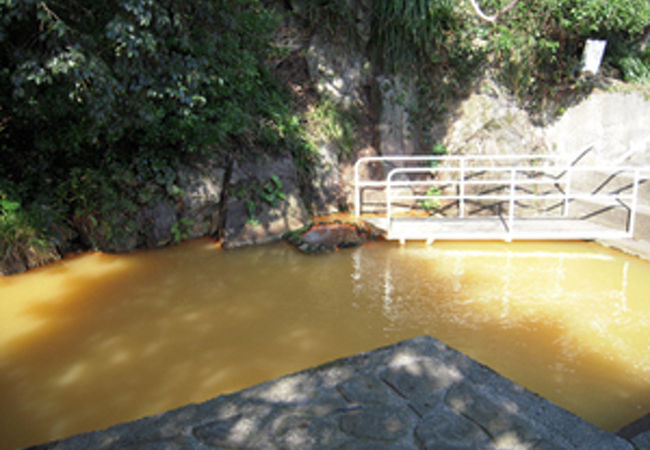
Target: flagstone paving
x,y
417,394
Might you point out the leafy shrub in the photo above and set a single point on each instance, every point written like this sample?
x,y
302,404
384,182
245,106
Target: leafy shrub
x,y
538,45
20,226
102,81
534,48
431,204
329,121
98,97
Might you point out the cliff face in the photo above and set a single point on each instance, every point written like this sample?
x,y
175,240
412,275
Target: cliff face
x,y
347,110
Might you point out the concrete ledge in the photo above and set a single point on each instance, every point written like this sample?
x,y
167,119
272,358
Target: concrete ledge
x,y
638,432
412,395
635,247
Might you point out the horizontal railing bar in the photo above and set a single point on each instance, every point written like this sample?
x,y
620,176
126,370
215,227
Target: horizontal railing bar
x,y
471,183
401,183
504,235
456,158
617,170
528,255
516,197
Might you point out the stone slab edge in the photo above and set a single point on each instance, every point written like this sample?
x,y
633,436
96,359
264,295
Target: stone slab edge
x,y
634,247
415,394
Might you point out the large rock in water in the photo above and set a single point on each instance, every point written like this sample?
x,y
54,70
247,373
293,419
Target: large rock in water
x,y
263,201
327,237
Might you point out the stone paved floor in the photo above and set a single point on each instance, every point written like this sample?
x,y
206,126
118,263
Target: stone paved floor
x,y
417,394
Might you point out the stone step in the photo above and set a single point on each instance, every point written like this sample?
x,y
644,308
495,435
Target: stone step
x,y
607,182
605,213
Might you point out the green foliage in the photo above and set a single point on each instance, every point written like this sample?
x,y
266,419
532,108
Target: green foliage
x,y
328,121
537,47
155,77
636,68
251,206
180,229
100,99
100,200
437,150
431,204
271,192
253,194
20,226
407,33
593,17
633,65
150,77
534,49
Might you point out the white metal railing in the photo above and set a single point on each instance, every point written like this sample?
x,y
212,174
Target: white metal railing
x,y
504,184
463,161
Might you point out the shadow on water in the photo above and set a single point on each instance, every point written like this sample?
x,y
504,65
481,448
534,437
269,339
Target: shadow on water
x,y
180,325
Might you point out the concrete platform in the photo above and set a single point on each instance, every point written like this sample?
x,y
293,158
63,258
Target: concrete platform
x,y
636,247
416,394
479,228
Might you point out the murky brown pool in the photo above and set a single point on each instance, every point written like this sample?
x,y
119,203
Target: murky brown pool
x,y
100,339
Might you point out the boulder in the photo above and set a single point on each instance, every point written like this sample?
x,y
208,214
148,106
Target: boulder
x,y
155,222
113,231
490,122
13,262
337,69
202,187
263,201
393,97
325,191
327,237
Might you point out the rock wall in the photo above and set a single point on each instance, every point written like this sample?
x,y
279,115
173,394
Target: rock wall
x,y
489,121
617,124
263,202
251,201
258,198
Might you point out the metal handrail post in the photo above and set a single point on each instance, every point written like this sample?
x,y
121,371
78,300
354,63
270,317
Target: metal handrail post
x,y
567,192
389,194
461,204
511,208
357,191
635,195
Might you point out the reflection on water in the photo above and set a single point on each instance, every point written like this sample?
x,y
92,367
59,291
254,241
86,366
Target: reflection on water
x,y
100,339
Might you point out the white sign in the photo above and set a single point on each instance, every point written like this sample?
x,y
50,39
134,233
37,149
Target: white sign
x,y
592,55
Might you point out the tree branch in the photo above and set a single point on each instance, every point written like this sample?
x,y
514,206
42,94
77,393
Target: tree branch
x,y
50,14
493,18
